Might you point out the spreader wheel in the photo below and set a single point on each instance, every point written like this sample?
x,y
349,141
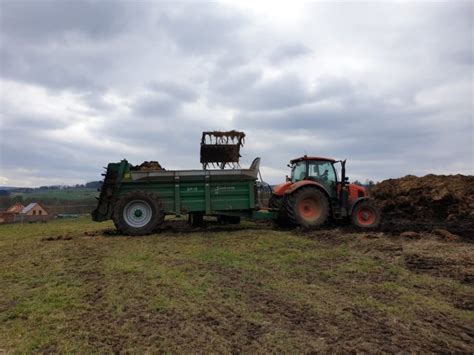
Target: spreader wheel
x,y
138,213
366,215
307,207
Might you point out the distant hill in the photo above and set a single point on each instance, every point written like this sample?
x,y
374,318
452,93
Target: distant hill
x,y
60,194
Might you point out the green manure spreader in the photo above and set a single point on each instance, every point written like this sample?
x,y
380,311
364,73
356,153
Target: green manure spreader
x,y
138,201
137,198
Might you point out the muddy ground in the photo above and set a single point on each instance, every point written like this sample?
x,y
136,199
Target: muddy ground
x,y
78,286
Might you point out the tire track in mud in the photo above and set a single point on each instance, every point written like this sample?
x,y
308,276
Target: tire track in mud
x,y
136,325
283,315
104,328
140,327
85,263
367,329
461,270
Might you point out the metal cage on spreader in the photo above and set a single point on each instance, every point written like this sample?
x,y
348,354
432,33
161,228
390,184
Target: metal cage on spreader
x,y
221,149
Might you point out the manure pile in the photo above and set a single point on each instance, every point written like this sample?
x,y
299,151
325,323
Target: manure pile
x,y
417,203
148,166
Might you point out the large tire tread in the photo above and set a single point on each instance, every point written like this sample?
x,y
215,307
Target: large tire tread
x,y
291,207
372,207
158,213
278,203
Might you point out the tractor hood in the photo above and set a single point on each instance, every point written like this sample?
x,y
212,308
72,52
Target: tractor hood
x,y
355,192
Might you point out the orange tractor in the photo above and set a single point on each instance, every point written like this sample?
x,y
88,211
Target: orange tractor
x,y
313,194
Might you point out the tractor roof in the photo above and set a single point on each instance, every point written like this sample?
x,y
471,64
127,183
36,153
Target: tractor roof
x,y
303,158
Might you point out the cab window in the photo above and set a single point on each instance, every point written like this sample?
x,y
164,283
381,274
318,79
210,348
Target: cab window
x,y
298,172
322,172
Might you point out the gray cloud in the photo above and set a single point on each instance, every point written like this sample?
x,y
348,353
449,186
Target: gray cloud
x,y
388,86
156,105
54,20
199,29
247,92
179,91
288,51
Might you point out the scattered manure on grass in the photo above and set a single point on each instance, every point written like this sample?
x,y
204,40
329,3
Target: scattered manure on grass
x,y
457,269
56,238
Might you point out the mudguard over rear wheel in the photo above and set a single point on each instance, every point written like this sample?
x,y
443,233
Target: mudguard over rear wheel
x,y
308,207
138,213
366,215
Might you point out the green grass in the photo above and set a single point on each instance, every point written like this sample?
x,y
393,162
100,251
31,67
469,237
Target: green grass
x,y
245,288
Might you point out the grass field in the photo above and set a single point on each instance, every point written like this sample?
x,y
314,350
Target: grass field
x,y
63,194
75,286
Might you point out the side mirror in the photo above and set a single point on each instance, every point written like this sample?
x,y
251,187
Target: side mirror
x,y
287,178
346,179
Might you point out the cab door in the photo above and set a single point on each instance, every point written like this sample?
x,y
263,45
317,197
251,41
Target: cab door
x,y
323,172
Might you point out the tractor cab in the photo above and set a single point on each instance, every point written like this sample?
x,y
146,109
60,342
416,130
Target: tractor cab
x,y
316,169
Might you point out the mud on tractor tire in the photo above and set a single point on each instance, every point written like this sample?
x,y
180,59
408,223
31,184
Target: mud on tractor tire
x,y
278,202
138,213
308,207
275,202
366,215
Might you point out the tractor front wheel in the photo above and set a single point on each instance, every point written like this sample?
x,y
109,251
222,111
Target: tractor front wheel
x,y
138,213
366,215
307,207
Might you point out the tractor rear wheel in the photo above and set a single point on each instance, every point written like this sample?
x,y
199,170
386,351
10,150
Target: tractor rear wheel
x,y
308,207
138,213
366,215
277,202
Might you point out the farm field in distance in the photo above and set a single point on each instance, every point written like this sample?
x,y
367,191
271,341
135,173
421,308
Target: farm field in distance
x,y
77,286
61,194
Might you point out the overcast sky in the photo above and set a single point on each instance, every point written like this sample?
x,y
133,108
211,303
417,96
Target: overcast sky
x,y
389,86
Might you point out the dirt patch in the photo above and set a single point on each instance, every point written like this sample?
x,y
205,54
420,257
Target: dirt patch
x,y
458,269
464,228
91,234
328,234
465,302
209,226
375,330
462,333
56,238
